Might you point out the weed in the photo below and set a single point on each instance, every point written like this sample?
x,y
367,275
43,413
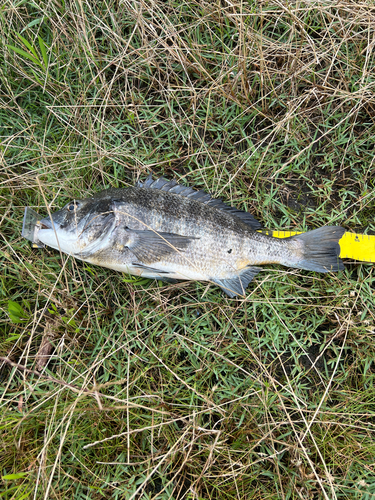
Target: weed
x,y
119,387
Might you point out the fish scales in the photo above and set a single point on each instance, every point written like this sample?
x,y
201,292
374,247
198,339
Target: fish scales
x,y
219,237
160,229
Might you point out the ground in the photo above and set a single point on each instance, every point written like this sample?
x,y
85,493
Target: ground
x,y
122,387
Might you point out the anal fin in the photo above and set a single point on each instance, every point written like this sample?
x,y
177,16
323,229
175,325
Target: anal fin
x,y
236,285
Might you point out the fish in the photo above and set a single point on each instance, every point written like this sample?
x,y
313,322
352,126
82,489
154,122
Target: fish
x,y
164,230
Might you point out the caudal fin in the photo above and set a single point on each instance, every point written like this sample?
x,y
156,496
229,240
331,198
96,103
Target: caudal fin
x,y
321,249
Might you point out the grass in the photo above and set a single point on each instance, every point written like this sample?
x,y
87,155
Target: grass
x,y
126,388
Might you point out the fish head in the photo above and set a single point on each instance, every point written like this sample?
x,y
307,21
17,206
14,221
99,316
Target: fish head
x,y
80,228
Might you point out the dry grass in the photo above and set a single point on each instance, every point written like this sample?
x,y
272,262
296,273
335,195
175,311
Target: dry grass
x,y
118,387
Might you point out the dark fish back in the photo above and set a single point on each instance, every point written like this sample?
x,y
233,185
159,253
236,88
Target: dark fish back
x,y
170,212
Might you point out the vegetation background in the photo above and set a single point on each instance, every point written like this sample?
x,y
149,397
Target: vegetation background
x,y
126,388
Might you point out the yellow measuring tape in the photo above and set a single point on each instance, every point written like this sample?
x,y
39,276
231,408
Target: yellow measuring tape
x,y
352,246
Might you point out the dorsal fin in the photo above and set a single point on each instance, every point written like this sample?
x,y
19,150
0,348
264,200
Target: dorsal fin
x,y
201,196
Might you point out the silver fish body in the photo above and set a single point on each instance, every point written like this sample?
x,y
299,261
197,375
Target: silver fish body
x,y
160,229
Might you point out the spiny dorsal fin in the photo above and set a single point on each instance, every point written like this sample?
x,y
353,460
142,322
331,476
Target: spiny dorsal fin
x,y
201,196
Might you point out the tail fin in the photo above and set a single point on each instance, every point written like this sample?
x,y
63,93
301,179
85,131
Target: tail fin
x,y
321,249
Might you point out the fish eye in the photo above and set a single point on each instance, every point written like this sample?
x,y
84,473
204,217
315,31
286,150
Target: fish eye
x,y
72,206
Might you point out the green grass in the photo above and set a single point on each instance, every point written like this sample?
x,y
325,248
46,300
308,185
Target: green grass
x,y
120,387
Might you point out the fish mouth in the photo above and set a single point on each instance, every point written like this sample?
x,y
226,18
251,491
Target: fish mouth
x,y
45,224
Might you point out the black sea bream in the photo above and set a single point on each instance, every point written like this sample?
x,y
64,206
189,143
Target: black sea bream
x,y
163,230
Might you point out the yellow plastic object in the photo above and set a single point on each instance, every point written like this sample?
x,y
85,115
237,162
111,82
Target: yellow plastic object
x,y
353,246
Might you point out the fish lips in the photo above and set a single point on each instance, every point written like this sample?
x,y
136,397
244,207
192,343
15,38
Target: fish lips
x,y
47,233
45,224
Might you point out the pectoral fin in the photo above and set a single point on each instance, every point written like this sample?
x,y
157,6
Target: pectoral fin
x,y
236,285
151,246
